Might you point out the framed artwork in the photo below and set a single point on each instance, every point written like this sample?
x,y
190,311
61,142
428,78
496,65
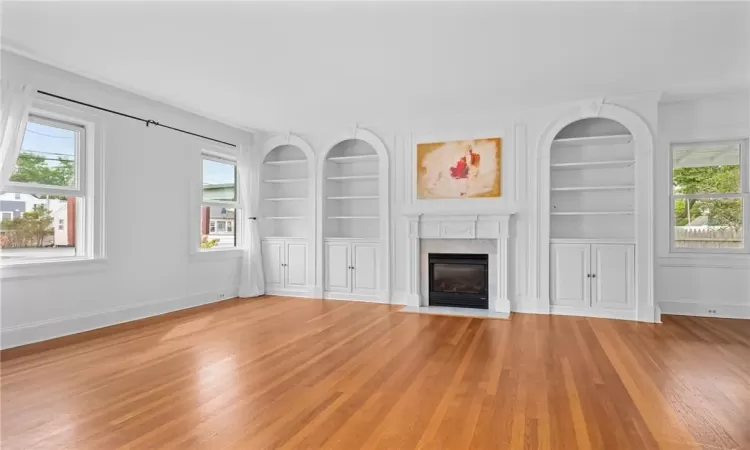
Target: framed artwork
x,y
459,169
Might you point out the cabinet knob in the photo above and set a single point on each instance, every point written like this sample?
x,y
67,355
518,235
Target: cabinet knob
x,y
588,275
593,275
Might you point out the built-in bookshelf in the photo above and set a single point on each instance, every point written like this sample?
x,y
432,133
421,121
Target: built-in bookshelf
x,y
286,197
592,186
351,191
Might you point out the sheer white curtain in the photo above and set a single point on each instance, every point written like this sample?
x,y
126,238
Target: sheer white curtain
x,y
252,281
16,103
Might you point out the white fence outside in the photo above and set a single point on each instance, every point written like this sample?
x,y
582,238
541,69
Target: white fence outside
x,y
686,237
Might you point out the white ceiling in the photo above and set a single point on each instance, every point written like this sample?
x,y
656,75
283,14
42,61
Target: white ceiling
x,y
300,65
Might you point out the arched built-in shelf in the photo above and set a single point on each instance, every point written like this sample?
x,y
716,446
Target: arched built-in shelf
x,y
287,220
595,214
354,219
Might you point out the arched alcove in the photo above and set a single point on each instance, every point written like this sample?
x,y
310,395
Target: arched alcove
x,y
353,219
596,190
287,219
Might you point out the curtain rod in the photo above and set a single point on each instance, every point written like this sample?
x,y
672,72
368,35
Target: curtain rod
x,y
148,122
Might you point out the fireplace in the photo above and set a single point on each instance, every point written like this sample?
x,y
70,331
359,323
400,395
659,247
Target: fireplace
x,y
458,279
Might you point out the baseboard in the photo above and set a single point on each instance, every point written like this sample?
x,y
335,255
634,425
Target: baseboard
x,y
292,293
399,298
625,314
528,306
701,310
55,328
354,297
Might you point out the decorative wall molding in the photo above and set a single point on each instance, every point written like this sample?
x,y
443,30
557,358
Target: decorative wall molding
x,y
444,226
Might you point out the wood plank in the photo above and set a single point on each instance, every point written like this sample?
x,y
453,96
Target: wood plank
x,y
280,372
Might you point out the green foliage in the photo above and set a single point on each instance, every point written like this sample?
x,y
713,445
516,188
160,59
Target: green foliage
x,y
29,230
33,168
208,243
707,180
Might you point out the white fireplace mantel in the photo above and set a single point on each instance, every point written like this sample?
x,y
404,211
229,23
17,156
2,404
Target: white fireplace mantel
x,y
444,226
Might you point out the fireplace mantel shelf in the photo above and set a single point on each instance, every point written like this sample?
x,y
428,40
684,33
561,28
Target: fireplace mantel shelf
x,y
458,226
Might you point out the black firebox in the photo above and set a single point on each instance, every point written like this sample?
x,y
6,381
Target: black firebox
x,y
458,279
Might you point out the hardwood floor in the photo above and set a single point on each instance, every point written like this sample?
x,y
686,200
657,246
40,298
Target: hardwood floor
x,y
278,372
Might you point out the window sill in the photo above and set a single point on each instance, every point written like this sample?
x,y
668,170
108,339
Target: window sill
x,y
216,255
51,267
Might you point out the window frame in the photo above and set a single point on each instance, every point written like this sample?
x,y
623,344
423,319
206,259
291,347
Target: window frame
x,y
743,194
89,191
217,155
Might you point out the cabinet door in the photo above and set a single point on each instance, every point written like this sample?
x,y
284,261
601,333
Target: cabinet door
x,y
296,265
273,252
337,276
365,272
612,271
569,270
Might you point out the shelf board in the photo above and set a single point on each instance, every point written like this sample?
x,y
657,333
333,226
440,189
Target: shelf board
x,y
350,159
284,199
593,140
285,180
354,177
593,188
283,217
353,217
592,213
354,197
284,162
593,165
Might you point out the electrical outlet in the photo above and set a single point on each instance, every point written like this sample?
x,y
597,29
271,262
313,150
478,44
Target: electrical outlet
x,y
712,311
222,295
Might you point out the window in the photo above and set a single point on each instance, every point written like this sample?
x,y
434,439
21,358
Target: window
x,y
60,224
48,181
709,196
7,215
219,203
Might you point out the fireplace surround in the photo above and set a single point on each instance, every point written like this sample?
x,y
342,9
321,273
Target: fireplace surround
x,y
426,230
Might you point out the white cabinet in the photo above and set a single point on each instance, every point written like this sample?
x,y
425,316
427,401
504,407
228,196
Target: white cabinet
x,y
612,281
351,268
338,267
273,257
592,276
285,265
569,273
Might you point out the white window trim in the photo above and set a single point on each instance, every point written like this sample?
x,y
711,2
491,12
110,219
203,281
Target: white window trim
x,y
6,212
225,155
744,194
90,223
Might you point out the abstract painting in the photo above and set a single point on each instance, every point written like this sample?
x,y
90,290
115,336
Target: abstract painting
x,y
459,169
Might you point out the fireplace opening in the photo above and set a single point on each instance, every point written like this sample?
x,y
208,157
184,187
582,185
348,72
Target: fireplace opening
x,y
458,279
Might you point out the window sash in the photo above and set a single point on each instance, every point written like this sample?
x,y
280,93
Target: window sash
x,y
223,160
79,188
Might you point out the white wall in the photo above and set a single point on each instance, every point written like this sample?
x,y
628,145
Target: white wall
x,y
147,182
693,284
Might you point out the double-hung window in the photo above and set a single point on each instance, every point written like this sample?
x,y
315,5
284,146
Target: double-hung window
x,y
47,190
220,210
709,198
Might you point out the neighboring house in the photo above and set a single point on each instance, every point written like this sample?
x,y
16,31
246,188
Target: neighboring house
x,y
60,224
12,206
217,222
